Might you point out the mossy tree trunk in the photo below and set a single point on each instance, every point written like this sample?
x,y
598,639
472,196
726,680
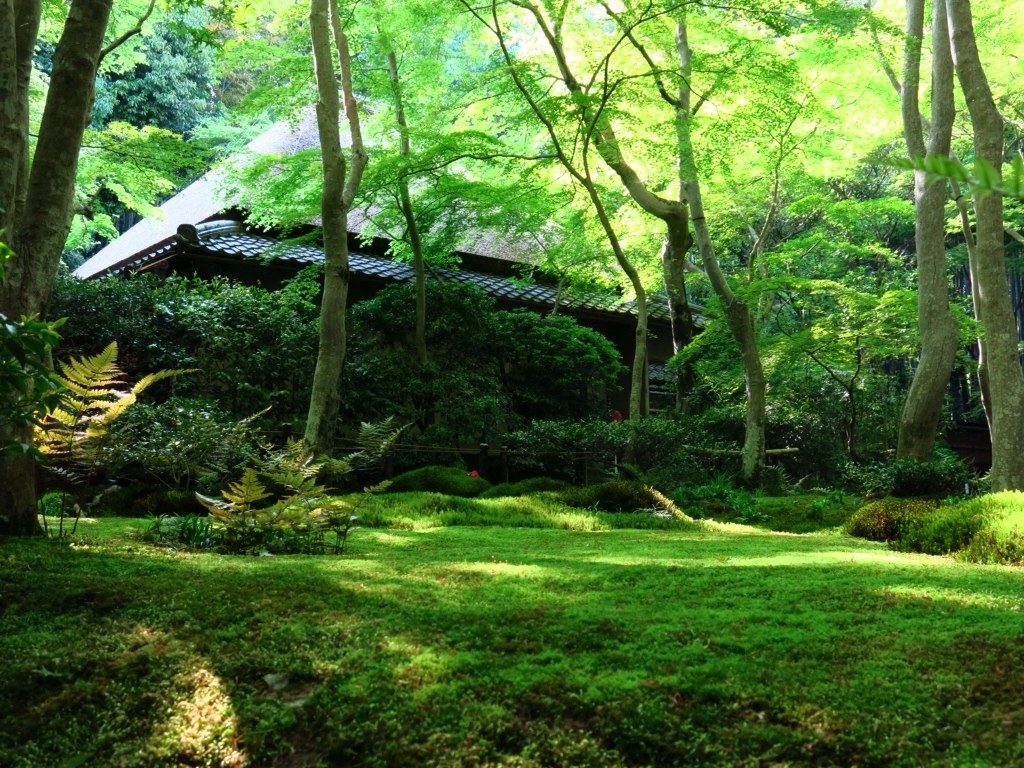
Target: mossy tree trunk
x,y
340,184
988,264
36,198
939,332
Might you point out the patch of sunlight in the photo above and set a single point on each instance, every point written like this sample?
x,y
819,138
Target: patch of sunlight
x,y
788,558
501,568
204,726
829,557
389,539
964,598
420,667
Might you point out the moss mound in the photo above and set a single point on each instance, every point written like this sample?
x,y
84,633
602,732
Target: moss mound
x,y
889,519
1000,534
451,481
526,487
618,496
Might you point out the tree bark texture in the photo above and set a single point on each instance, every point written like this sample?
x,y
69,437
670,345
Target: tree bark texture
x,y
940,336
36,202
988,268
737,313
338,193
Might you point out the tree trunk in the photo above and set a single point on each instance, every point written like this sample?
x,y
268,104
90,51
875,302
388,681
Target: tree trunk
x,y
411,227
36,205
737,313
673,265
1005,379
584,177
939,332
338,193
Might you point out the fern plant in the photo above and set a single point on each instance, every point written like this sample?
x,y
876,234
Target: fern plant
x,y
280,506
73,435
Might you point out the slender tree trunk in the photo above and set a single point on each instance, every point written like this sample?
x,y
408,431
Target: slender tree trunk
x,y
985,391
584,177
673,213
1006,381
411,227
339,191
36,202
673,265
940,337
737,313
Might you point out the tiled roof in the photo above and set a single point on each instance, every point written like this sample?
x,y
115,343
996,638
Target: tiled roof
x,y
228,239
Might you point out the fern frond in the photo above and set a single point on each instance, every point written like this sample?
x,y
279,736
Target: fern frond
x,y
218,508
376,439
246,491
96,372
113,410
93,398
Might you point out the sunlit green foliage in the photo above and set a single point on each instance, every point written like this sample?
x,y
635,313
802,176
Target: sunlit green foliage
x,y
280,506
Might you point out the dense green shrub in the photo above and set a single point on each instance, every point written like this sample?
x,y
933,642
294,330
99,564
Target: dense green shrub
x,y
947,529
888,519
452,481
938,477
577,451
254,348
615,496
142,500
487,370
670,450
525,487
983,529
942,476
871,479
181,440
717,497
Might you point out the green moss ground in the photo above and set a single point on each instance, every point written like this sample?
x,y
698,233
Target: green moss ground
x,y
433,644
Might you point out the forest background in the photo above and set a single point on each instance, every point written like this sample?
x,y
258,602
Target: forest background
x,y
743,159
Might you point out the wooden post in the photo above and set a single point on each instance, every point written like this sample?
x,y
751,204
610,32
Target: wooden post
x,y
483,461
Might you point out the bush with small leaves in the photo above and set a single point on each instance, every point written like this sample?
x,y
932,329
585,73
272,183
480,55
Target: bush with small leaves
x,y
948,529
888,519
452,481
178,441
938,477
718,497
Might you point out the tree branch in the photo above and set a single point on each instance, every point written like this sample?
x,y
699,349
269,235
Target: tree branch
x,y
136,30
